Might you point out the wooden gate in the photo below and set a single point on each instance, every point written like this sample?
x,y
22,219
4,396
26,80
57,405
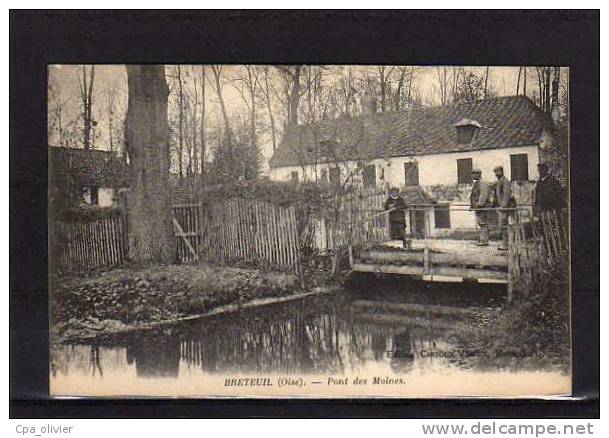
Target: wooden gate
x,y
238,229
187,229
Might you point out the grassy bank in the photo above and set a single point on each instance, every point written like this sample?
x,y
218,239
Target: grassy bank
x,y
130,298
531,332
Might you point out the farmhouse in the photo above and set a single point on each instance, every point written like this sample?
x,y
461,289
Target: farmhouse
x,y
432,149
90,176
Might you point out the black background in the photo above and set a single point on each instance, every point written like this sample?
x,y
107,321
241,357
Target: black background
x,y
38,38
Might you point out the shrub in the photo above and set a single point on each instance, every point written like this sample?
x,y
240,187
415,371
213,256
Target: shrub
x,y
86,212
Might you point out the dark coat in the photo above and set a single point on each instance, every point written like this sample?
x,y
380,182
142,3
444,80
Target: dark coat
x,y
398,206
479,196
549,195
397,219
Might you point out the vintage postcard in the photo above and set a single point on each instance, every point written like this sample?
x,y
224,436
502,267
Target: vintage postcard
x,y
309,231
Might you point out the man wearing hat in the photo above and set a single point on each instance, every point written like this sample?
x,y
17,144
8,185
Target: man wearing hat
x,y
549,194
479,199
506,203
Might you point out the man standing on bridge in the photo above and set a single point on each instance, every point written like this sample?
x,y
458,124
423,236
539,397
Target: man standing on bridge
x,y
549,195
479,201
397,219
506,203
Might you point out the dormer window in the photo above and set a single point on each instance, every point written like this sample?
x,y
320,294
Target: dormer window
x,y
466,129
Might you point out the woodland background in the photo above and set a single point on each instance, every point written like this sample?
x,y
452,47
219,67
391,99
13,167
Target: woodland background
x,y
225,121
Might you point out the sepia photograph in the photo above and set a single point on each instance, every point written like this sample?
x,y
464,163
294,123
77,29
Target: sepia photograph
x,y
315,231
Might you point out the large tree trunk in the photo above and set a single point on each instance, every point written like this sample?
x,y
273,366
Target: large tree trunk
x,y
547,85
151,236
86,93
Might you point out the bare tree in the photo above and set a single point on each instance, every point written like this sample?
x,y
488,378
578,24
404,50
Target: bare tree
x,y
264,85
548,82
193,150
292,91
247,85
472,87
555,90
403,96
202,125
180,123
346,90
457,76
547,91
217,82
110,101
57,104
397,104
384,82
86,94
486,81
150,219
443,85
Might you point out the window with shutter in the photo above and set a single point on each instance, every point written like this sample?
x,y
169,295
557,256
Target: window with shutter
x,y
519,163
369,176
411,173
464,170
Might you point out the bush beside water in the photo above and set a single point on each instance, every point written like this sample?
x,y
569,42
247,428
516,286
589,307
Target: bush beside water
x,y
532,331
157,293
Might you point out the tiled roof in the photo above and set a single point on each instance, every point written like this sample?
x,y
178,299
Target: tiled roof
x,y
96,167
87,167
505,122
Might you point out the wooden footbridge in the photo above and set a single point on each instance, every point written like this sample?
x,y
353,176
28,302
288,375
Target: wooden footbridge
x,y
435,260
531,244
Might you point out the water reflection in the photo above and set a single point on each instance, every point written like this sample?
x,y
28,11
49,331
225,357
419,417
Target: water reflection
x,y
330,336
402,355
157,356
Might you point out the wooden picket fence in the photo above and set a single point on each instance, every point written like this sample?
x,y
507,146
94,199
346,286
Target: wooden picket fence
x,y
234,229
537,245
90,245
353,214
252,230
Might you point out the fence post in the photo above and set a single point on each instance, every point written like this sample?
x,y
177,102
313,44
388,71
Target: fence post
x,y
511,263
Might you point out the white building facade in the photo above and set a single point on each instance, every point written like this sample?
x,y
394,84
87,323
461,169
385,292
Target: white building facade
x,y
442,167
436,174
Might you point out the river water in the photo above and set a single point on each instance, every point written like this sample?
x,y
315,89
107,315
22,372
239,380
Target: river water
x,y
388,329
